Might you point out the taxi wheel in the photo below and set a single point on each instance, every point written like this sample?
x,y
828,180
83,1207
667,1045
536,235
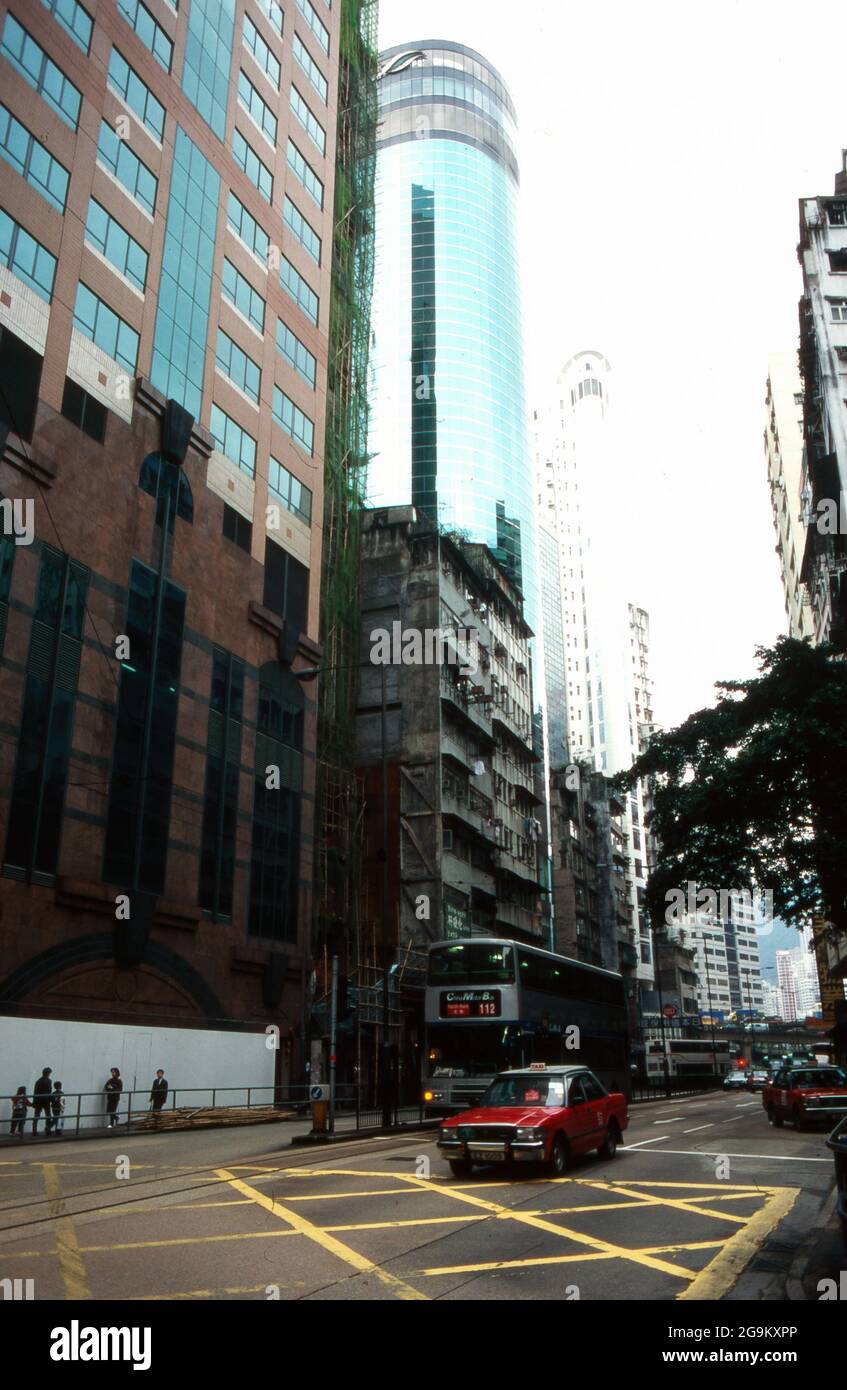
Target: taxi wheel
x,y
460,1168
608,1148
561,1155
776,1120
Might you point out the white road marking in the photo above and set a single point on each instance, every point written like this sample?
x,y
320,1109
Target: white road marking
x,y
696,1127
712,1153
747,1104
658,1139
672,1121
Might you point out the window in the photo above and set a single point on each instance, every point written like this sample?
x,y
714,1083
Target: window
x,y
838,262
116,156
299,289
83,411
233,441
301,229
258,109
838,309
44,745
306,174
74,19
240,292
41,72
308,119
220,806
31,159
275,857
293,421
311,69
319,29
235,364
255,44
286,591
296,354
208,57
7,562
288,490
20,378
237,528
273,12
151,34
105,233
247,229
125,81
136,846
247,159
185,288
102,325
26,257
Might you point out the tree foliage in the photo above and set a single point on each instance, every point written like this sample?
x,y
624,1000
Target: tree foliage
x,y
752,793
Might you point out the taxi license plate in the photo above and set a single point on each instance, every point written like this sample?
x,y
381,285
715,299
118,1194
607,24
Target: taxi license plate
x,y
487,1155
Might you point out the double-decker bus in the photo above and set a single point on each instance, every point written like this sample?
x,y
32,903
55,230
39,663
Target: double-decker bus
x,y
493,1004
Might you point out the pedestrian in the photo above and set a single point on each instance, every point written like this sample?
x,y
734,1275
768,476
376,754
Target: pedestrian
x,y
41,1093
158,1093
113,1089
20,1103
57,1106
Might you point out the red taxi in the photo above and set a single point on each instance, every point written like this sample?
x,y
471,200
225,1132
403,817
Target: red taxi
x,y
806,1095
539,1114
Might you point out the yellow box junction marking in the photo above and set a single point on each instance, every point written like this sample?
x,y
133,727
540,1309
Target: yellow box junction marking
x,y
322,1238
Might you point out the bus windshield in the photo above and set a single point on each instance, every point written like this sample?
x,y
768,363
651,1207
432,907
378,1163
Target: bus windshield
x,y
472,963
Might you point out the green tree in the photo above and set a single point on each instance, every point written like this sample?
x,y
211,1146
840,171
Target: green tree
x,y
752,794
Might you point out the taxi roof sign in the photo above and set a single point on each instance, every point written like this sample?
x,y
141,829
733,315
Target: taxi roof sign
x,y
538,1066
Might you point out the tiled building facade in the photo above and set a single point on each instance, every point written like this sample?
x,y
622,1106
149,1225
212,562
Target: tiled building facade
x,y
166,195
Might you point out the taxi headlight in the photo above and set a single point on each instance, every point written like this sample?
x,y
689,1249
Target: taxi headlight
x,y
524,1133
447,1134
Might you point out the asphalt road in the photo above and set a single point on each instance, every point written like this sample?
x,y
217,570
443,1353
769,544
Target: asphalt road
x,y
705,1201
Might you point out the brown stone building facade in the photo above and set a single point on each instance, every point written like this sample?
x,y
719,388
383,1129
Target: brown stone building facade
x,y
166,194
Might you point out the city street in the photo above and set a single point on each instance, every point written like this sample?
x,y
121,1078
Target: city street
x,y
704,1199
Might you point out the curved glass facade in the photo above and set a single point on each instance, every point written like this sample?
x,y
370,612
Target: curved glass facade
x,y
448,422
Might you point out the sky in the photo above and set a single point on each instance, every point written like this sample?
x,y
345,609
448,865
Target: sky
x,y
663,150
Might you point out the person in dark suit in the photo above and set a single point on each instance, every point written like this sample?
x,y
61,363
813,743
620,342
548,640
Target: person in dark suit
x,y
41,1093
158,1092
113,1089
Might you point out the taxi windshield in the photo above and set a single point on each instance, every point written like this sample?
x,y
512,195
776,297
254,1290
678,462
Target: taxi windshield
x,y
525,1090
816,1078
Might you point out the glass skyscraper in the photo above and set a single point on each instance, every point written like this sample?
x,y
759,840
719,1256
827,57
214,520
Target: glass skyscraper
x,y
449,427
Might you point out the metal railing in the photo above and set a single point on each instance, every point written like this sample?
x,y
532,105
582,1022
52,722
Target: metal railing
x,y
87,1111
673,1087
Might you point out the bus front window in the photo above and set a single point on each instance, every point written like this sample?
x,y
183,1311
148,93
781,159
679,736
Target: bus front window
x,y
472,963
473,1049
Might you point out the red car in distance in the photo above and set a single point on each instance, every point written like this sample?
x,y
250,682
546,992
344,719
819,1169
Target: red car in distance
x,y
806,1095
538,1114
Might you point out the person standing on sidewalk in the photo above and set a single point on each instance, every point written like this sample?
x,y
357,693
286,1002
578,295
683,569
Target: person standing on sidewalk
x,y
158,1093
41,1093
113,1089
20,1104
57,1107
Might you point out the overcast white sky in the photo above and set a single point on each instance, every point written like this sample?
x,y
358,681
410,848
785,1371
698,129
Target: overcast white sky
x,y
663,150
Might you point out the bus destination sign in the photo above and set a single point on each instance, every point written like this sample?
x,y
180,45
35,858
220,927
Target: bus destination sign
x,y
470,1003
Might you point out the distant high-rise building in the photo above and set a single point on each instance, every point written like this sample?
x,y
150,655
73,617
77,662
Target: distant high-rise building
x,y
449,428
595,642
